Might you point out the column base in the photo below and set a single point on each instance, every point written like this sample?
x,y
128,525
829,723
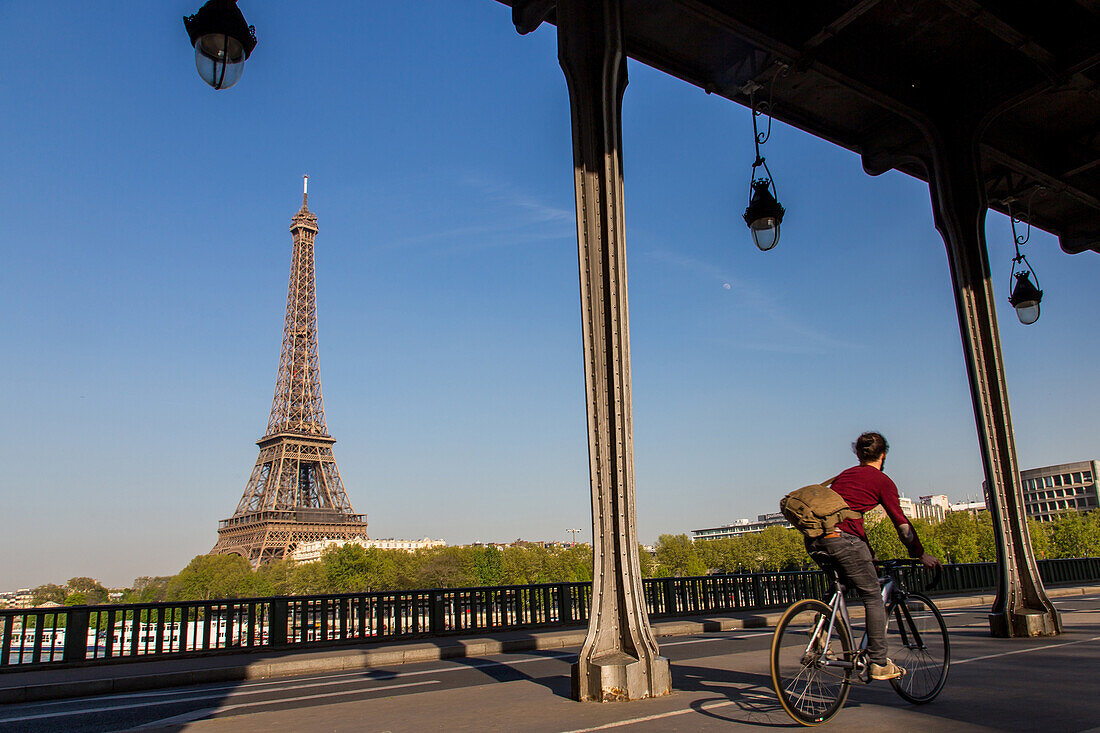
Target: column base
x,y
617,676
1023,623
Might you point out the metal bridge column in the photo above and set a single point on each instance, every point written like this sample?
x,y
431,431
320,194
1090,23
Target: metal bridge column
x,y
1022,607
619,659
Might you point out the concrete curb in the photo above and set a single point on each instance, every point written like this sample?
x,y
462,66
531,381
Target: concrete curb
x,y
33,686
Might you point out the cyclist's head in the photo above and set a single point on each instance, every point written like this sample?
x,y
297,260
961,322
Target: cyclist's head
x,y
869,446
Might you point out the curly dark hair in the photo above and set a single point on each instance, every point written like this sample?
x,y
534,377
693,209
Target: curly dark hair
x,y
870,446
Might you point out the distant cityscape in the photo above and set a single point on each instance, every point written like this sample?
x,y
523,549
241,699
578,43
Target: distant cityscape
x,y
1049,492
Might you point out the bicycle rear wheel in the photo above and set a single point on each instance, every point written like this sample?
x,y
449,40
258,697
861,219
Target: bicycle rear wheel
x,y
809,689
918,642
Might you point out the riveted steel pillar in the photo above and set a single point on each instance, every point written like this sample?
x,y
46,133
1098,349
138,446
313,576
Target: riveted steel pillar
x,y
619,659
1021,607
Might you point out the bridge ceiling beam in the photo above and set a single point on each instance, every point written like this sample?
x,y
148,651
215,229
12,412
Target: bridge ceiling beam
x,y
1027,72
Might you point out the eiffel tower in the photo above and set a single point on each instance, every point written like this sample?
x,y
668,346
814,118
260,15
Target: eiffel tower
x,y
295,493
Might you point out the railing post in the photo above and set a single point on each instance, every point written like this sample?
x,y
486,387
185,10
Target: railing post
x,y
380,614
252,627
436,621
76,634
565,603
276,622
5,643
668,595
757,591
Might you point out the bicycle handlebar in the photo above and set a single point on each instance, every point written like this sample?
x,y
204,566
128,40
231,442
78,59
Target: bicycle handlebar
x,y
889,566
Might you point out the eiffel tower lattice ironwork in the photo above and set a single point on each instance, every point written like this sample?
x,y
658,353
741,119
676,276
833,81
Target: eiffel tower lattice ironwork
x,y
295,494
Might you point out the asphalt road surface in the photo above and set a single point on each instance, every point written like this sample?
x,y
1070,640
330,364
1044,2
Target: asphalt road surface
x,y
720,680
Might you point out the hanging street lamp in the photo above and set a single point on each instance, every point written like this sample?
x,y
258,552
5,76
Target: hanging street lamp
x,y
1026,296
764,213
223,40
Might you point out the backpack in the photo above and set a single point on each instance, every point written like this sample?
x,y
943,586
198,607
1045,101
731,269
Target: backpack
x,y
816,509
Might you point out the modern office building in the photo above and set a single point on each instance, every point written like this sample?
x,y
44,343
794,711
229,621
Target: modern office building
x,y
968,506
1051,491
741,527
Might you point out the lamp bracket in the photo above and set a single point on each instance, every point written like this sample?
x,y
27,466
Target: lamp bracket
x,y
1020,265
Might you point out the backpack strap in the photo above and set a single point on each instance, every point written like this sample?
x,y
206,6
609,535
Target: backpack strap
x,y
830,481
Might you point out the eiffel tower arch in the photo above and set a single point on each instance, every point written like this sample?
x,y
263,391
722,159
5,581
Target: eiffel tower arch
x,y
295,493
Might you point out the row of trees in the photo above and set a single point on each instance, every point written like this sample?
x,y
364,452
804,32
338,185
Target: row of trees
x,y
959,538
352,568
77,591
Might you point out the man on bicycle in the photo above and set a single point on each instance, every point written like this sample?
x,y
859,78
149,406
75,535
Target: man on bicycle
x,y
863,487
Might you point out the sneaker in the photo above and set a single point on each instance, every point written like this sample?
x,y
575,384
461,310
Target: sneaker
x,y
888,671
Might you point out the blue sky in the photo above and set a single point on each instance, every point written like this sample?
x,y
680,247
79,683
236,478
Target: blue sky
x,y
146,258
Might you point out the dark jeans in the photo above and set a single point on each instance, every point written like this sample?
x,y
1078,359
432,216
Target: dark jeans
x,y
857,571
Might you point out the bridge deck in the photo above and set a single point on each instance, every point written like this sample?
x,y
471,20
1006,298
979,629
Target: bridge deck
x,y
1037,684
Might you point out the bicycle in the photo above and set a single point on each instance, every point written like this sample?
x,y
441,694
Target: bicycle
x,y
813,662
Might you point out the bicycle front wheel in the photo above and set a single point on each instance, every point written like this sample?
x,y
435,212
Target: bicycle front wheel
x,y
811,673
919,643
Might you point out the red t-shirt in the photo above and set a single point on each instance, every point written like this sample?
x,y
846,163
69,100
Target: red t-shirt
x,y
863,488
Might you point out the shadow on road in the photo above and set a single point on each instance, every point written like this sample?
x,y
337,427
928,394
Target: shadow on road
x,y
751,694
502,671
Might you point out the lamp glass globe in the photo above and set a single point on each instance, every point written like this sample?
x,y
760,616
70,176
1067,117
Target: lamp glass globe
x,y
1028,312
765,232
219,59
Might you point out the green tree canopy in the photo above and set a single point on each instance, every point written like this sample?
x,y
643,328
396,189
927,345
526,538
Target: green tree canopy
x,y
1076,535
147,589
676,556
49,593
93,591
1040,538
212,576
274,578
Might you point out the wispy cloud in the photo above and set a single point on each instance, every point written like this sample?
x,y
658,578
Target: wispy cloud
x,y
788,334
504,216
508,196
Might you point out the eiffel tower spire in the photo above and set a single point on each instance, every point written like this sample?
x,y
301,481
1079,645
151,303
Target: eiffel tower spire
x,y
297,406
295,493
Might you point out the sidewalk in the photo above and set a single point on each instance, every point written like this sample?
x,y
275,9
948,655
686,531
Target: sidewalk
x,y
45,684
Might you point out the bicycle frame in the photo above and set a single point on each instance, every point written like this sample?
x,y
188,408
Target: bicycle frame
x,y
892,597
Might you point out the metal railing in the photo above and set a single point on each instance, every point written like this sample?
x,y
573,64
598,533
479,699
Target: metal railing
x,y
42,637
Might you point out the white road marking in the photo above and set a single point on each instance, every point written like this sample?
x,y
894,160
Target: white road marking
x,y
716,638
632,721
1025,651
108,709
196,714
189,717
